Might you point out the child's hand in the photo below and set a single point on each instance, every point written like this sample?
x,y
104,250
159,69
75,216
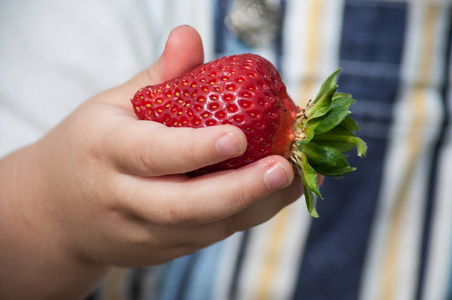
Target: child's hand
x,y
103,188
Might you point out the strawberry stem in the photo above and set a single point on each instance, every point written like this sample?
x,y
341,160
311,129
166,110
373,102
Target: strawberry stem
x,y
324,132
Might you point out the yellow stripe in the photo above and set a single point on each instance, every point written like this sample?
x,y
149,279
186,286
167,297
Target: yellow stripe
x,y
274,251
275,245
391,259
418,103
312,46
111,289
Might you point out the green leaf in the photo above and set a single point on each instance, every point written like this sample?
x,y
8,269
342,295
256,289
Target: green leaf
x,y
337,112
325,139
309,180
361,147
336,131
327,85
306,135
310,202
342,147
343,102
349,124
321,106
324,156
333,171
328,121
309,175
342,135
331,135
340,95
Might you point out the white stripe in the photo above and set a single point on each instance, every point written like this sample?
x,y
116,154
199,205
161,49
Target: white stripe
x,y
439,259
288,259
296,41
294,36
165,15
408,248
294,243
226,266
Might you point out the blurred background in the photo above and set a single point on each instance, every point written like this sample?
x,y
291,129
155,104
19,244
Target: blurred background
x,y
384,231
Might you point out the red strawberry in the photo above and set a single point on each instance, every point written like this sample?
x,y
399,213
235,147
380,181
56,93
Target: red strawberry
x,y
247,91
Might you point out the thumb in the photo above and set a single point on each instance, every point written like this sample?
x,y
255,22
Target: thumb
x,y
183,51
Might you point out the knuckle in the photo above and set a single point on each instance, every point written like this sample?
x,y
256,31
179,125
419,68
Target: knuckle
x,y
241,195
204,242
137,238
178,214
230,228
148,75
194,153
147,156
90,145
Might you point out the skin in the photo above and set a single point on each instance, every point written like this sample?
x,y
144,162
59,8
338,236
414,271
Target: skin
x,y
103,189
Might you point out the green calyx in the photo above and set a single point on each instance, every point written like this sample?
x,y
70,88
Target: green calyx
x,y
324,132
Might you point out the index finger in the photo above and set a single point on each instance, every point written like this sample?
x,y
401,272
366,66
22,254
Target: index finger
x,y
148,148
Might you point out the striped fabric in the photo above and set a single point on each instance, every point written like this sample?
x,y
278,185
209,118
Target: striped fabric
x,y
384,231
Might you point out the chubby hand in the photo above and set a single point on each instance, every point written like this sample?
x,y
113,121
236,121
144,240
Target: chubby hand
x,y
111,188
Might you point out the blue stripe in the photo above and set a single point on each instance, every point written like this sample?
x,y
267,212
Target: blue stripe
x,y
337,243
187,275
220,30
135,282
192,277
203,275
239,263
373,31
172,278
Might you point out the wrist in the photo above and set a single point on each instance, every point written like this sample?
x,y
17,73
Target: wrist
x,y
38,260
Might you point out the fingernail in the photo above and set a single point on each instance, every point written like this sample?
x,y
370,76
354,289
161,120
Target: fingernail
x,y
228,145
276,178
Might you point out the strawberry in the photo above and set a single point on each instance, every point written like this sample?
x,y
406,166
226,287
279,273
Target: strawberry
x,y
246,90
